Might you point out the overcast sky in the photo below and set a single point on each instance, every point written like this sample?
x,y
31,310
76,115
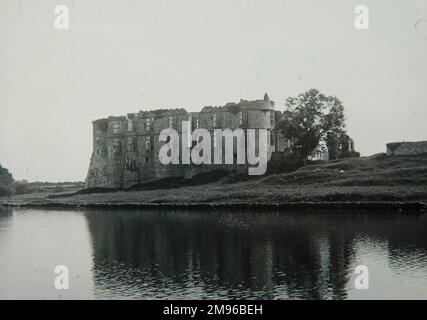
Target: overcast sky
x,y
124,56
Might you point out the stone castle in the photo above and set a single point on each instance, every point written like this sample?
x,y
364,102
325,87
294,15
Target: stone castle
x,y
126,148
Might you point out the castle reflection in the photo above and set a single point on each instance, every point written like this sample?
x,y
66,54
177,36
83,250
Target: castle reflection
x,y
179,254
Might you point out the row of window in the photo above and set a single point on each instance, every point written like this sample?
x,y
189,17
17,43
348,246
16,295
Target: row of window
x,y
149,144
131,145
195,122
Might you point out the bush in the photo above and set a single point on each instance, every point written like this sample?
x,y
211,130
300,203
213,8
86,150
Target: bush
x,y
21,187
5,191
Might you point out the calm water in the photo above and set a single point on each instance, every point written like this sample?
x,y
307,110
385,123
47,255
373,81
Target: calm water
x,y
158,255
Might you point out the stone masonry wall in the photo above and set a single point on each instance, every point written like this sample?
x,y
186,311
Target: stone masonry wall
x,y
126,148
408,148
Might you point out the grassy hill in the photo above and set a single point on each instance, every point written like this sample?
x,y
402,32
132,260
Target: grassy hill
x,y
367,179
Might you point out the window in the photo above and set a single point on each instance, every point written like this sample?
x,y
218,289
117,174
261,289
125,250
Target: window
x,y
131,144
195,123
130,125
243,118
149,144
149,124
117,146
97,135
271,118
214,120
170,122
117,127
130,164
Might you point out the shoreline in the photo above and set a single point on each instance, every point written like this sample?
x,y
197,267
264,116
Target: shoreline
x,y
372,183
379,205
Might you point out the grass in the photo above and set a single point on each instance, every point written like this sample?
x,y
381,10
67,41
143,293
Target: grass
x,y
377,178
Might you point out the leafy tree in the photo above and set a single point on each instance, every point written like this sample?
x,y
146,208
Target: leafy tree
x,y
308,120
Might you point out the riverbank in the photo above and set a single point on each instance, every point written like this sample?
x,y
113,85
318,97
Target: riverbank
x,y
371,182
393,206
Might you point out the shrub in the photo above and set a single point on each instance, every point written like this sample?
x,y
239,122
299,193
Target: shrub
x,y
5,191
21,187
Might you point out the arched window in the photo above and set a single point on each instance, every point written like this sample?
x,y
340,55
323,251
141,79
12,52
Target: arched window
x,y
131,144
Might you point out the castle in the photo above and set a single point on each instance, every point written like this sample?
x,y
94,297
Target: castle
x,y
126,148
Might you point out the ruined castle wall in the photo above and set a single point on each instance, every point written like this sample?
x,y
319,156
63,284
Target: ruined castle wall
x,y
116,150
131,169
97,174
126,149
411,149
148,145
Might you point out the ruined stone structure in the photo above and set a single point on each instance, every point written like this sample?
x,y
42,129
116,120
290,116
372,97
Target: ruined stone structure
x,y
340,146
407,148
126,148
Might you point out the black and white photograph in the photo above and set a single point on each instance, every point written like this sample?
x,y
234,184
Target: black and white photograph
x,y
223,151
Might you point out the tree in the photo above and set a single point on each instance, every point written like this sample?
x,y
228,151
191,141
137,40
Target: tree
x,y
22,187
308,120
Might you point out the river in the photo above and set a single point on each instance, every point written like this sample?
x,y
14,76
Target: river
x,y
130,254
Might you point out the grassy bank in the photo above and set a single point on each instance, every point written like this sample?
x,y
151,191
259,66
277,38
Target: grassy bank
x,y
372,179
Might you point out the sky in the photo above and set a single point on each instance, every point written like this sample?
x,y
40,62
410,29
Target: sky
x,y
123,56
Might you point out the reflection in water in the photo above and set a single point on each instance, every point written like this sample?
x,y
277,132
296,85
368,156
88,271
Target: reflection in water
x,y
252,255
176,255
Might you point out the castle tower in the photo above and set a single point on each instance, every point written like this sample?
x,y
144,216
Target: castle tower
x,y
97,173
